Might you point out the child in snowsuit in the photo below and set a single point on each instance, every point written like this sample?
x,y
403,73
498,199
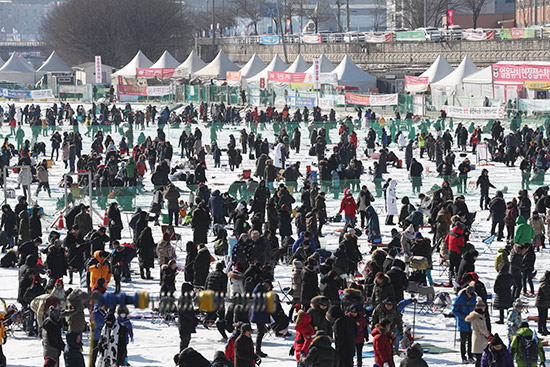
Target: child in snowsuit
x,y
123,319
73,356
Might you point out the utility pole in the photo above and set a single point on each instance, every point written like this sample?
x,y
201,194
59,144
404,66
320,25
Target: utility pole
x,y
347,16
425,13
213,27
281,33
338,6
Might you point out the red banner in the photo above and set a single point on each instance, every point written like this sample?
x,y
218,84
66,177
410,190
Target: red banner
x,y
451,17
132,90
478,36
155,72
312,38
416,80
520,73
276,76
378,38
371,100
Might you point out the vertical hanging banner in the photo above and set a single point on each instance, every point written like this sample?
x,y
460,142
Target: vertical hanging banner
x,y
451,17
316,73
98,70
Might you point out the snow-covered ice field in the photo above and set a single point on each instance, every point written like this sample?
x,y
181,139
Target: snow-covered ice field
x,y
156,344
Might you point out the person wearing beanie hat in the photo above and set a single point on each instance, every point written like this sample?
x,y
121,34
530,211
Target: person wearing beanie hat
x,y
321,353
349,207
110,348
355,312
480,333
463,305
165,251
52,343
344,335
414,357
244,348
496,354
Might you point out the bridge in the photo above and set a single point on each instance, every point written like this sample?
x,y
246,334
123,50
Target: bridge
x,y
28,47
395,56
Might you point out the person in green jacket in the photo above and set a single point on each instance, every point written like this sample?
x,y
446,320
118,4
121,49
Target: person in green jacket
x,y
503,257
523,335
388,310
524,232
130,171
321,353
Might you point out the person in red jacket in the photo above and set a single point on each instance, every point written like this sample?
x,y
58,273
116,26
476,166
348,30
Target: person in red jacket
x,y
304,335
382,344
349,207
455,243
362,331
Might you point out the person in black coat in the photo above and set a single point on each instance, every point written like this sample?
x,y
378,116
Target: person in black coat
x,y
220,360
503,291
244,348
201,266
524,204
76,248
318,313
345,333
52,342
467,263
191,250
35,223
332,284
9,226
168,274
115,222
398,279
97,241
200,223
28,248
217,282
145,246
285,226
484,184
69,217
497,208
187,321
310,283
56,261
516,259
528,267
189,357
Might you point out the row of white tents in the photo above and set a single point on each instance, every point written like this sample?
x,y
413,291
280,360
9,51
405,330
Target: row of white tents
x,y
17,70
347,72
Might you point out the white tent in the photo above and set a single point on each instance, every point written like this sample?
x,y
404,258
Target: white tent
x,y
351,75
166,61
17,70
139,61
325,66
479,84
54,64
451,85
298,66
192,64
276,64
252,67
437,71
218,68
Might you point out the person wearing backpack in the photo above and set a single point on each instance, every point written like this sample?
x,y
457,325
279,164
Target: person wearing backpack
x,y
526,348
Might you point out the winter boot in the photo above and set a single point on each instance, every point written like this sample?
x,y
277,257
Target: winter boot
x,y
141,273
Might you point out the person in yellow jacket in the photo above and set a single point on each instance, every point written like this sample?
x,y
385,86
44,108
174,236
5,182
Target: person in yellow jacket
x,y
99,267
421,144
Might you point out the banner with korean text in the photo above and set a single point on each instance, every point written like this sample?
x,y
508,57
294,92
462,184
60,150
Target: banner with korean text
x,y
475,112
371,99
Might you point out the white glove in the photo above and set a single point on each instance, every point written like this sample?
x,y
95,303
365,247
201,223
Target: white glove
x,y
386,364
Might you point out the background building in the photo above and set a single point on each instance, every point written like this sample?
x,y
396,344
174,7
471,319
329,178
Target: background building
x,y
20,20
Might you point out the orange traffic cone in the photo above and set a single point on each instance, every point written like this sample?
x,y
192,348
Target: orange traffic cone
x,y
60,223
106,218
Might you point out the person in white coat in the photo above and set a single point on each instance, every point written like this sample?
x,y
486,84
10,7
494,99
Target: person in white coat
x,y
402,141
19,116
279,159
25,180
391,203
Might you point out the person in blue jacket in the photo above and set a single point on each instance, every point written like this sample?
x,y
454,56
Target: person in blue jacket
x,y
304,237
98,316
373,225
215,204
463,305
260,318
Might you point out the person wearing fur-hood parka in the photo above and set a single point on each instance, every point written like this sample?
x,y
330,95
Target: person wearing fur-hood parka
x,y
382,288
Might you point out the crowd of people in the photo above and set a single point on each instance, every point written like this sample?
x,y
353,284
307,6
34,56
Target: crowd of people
x,y
340,296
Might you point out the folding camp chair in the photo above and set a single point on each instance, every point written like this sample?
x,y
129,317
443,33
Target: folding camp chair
x,y
175,237
488,242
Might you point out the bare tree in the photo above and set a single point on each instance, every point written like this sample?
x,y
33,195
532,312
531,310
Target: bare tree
x,y
378,14
475,6
413,12
319,15
251,10
115,29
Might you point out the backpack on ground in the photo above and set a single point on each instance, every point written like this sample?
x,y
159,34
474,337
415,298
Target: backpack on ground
x,y
528,350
